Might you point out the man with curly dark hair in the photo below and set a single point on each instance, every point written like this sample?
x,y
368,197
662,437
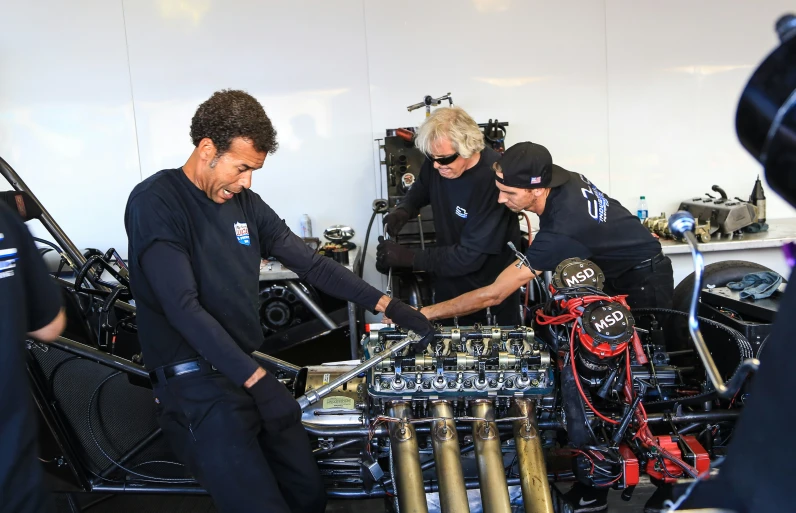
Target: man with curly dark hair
x,y
229,114
196,238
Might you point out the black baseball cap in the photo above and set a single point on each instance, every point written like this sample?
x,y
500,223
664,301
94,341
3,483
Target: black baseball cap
x,y
527,165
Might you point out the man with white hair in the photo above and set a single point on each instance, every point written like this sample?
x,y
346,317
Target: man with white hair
x,y
472,228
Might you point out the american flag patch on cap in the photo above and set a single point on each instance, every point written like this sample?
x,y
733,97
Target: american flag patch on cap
x,y
536,179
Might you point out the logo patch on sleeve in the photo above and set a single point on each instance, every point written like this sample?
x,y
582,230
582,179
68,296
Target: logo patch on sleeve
x,y
7,265
242,233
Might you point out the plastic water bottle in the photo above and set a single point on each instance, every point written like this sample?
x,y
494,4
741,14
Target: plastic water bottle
x,y
306,226
642,211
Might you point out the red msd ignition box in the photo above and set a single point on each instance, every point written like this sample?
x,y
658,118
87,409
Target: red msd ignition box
x,y
690,451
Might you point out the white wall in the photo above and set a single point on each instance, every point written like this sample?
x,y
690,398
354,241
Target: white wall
x,y
639,96
675,72
66,113
539,65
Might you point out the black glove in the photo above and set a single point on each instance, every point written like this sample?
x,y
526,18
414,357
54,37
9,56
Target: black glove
x,y
391,254
395,220
407,317
23,204
278,409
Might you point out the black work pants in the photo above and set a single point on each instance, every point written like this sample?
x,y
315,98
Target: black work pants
x,y
652,286
215,429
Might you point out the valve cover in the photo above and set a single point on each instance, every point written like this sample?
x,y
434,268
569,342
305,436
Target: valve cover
x,y
464,362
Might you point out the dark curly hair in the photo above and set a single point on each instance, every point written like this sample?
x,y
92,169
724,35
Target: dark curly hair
x,y
229,114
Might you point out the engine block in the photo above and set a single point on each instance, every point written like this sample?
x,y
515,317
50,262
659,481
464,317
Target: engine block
x,y
472,362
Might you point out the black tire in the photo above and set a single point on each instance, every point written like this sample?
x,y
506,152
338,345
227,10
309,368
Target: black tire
x,y
718,274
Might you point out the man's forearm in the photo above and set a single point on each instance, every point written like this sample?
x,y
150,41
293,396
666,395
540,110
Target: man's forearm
x,y
511,279
465,304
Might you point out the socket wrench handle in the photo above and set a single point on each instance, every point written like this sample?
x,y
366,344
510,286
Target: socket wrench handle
x,y
313,396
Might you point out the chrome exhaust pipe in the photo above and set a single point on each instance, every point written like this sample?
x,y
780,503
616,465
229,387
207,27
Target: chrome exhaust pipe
x,y
489,458
408,478
452,492
533,472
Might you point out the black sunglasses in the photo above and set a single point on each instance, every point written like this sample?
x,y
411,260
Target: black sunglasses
x,y
444,161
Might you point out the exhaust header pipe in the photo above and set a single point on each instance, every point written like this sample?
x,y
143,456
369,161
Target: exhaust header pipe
x,y
533,472
489,457
407,476
452,491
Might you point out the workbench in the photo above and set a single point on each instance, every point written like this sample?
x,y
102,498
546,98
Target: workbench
x,y
762,248
272,270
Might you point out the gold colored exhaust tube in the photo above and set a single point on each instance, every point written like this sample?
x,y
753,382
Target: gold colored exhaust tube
x,y
533,471
489,457
408,478
452,493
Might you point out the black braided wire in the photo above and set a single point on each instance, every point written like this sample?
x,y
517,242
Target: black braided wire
x,y
744,348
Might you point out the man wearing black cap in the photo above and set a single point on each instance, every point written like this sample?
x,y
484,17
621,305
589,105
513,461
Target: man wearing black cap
x,y
576,219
